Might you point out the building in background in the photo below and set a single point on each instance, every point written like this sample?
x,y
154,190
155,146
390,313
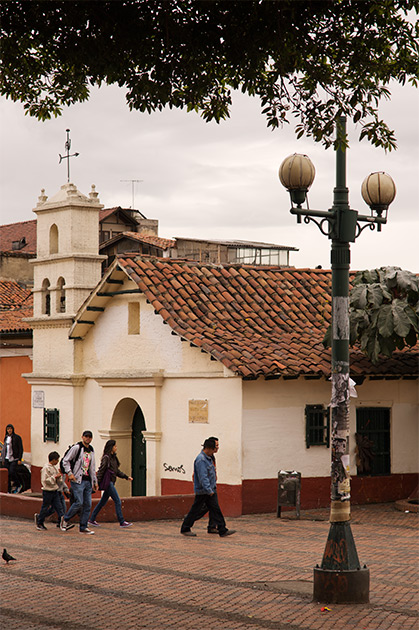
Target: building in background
x,y
15,359
159,353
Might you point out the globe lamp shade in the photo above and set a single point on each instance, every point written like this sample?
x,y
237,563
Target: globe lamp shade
x,y
296,174
378,191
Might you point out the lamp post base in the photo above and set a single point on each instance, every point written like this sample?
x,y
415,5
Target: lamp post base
x,y
341,587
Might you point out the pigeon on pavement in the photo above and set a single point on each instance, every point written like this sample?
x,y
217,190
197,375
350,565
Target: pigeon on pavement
x,y
6,556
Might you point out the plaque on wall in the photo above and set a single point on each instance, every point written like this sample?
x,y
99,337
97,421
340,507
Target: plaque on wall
x,y
38,399
198,411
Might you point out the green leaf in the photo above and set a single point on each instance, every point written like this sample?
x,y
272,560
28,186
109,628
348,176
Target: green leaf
x,y
384,322
411,338
358,298
387,346
401,320
375,295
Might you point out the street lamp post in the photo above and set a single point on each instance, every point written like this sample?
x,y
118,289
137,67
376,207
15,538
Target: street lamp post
x,y
340,578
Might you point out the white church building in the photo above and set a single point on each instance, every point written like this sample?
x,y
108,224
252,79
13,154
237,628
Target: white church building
x,y
160,354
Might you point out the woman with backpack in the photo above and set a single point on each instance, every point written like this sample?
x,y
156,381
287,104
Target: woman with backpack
x,y
106,476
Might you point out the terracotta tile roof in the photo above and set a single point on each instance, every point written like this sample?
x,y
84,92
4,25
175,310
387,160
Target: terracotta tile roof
x,y
258,321
16,232
15,304
150,239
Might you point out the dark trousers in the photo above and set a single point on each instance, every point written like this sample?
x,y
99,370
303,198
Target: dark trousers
x,y
211,523
12,468
205,503
50,499
51,509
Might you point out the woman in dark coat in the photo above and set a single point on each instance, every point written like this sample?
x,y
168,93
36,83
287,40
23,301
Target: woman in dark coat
x,y
110,461
11,455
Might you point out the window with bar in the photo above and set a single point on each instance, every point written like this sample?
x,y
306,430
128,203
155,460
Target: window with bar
x,y
317,425
373,441
51,425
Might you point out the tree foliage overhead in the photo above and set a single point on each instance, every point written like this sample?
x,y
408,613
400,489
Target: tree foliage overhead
x,y
383,311
312,60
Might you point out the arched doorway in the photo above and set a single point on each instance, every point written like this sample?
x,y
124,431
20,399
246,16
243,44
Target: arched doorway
x,y
127,428
138,455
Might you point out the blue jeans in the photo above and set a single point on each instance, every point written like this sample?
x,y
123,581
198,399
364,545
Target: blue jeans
x,y
51,509
51,502
111,492
82,493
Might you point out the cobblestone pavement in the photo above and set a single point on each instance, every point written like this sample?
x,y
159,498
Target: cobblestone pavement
x,y
149,576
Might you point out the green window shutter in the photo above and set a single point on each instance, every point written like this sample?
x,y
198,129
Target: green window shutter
x,y
51,425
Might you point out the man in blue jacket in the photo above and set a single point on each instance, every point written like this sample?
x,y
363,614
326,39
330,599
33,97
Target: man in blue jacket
x,y
205,488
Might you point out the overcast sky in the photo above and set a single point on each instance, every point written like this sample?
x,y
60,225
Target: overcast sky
x,y
211,181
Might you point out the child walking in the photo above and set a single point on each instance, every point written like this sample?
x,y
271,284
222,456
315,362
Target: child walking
x,y
109,467
52,485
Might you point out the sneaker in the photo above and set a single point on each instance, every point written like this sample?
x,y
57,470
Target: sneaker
x,y
125,524
68,526
41,527
94,523
189,533
212,530
228,532
64,525
86,531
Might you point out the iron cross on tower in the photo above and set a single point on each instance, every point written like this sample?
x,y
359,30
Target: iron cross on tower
x,y
68,156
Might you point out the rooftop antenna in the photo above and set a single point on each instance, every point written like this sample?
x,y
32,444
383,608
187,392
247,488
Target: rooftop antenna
x,y
133,181
67,157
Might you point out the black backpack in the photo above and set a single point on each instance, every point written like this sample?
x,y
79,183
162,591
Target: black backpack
x,y
73,461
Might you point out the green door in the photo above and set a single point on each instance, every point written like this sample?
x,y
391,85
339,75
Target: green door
x,y
138,455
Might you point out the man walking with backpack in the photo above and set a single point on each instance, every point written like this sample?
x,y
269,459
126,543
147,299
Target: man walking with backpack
x,y
79,464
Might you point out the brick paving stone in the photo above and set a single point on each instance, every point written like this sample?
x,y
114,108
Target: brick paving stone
x,y
151,577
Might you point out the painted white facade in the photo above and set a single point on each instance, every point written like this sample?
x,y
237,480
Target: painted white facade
x,y
274,425
97,381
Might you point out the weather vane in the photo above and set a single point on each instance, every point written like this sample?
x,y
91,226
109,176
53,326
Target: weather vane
x,y
68,156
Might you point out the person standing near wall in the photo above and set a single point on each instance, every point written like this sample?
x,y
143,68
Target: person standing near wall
x,y
205,488
11,456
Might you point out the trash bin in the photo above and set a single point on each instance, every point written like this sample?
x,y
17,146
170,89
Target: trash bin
x,y
289,490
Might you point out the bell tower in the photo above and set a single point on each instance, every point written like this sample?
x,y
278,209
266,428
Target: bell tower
x,y
67,266
66,269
